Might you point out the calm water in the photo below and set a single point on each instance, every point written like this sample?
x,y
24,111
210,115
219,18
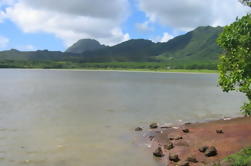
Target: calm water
x,y
86,118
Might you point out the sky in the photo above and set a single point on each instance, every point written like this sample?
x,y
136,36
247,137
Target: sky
x,y
57,24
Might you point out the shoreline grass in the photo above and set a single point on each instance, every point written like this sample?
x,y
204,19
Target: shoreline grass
x,y
185,67
152,70
242,158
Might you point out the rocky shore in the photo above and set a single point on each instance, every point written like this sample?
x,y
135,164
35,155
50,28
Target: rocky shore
x,y
199,143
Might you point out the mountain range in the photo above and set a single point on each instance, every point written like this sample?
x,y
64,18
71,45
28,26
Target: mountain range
x,y
195,47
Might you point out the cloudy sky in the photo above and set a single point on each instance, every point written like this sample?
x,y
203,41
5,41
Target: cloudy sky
x,y
56,24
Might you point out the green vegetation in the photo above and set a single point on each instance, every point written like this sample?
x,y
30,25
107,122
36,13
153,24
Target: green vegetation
x,y
194,50
246,2
152,66
198,45
242,158
195,45
235,64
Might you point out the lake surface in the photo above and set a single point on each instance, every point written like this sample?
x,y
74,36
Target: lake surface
x,y
87,118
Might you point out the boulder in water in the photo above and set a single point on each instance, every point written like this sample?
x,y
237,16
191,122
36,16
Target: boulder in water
x,y
158,152
153,126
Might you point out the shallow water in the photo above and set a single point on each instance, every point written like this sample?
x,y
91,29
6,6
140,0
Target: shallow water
x,y
86,118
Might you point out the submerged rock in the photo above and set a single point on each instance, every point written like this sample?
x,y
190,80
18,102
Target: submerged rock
x,y
158,152
211,151
174,157
138,129
153,126
203,149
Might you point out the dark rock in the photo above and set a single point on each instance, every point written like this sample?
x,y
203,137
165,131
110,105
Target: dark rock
x,y
169,146
183,163
219,131
188,123
153,126
186,130
158,152
174,157
178,138
171,138
192,159
211,151
203,149
138,129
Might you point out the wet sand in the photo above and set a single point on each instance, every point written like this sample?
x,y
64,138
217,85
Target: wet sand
x,y
236,135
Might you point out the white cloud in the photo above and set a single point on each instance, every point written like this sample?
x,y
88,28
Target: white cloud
x,y
166,37
188,14
72,20
144,27
3,41
94,8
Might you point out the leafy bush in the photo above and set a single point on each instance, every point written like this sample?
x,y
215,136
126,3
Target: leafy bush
x,y
235,64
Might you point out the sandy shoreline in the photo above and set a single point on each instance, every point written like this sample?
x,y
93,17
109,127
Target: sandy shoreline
x,y
236,135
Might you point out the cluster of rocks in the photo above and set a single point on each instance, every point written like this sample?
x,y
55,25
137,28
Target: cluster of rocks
x,y
208,151
174,157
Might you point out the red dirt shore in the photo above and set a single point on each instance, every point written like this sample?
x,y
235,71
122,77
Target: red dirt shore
x,y
236,135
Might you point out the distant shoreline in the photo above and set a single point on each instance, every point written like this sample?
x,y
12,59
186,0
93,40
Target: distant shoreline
x,y
178,71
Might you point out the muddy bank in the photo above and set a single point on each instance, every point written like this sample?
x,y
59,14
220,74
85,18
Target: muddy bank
x,y
199,143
